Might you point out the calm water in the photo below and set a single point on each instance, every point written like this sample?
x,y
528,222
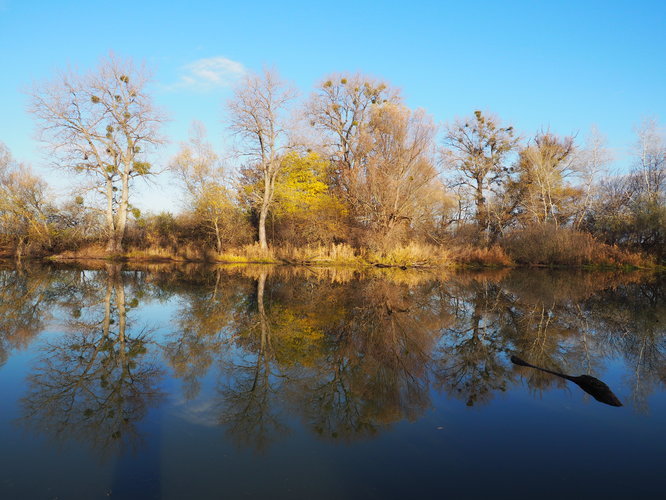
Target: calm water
x,y
193,382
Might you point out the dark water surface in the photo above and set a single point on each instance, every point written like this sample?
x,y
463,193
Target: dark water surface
x,y
196,382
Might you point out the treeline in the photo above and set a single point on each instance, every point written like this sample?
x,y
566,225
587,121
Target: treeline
x,y
348,173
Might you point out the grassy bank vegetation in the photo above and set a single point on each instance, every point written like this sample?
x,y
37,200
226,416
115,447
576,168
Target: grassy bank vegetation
x,y
536,247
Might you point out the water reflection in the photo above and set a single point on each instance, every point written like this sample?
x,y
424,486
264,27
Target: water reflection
x,y
24,306
95,382
344,354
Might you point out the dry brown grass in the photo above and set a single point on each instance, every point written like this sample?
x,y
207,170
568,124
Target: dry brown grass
x,y
333,254
548,245
152,253
493,256
247,254
156,253
411,255
96,251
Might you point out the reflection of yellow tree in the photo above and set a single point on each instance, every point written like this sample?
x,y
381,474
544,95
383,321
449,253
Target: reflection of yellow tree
x,y
96,382
375,369
350,361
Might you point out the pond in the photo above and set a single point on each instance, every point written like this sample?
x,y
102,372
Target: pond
x,y
189,381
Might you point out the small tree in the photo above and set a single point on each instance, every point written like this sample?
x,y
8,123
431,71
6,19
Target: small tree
x,y
101,124
543,167
200,171
24,206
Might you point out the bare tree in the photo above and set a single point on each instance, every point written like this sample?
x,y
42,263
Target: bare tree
x,y
200,170
593,161
197,163
478,148
257,113
101,124
398,182
651,158
5,157
24,205
341,109
543,166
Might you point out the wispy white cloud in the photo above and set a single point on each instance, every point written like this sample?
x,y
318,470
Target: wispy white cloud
x,y
198,412
208,74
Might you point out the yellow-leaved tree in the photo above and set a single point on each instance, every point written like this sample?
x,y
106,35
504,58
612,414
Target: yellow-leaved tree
x,y
306,211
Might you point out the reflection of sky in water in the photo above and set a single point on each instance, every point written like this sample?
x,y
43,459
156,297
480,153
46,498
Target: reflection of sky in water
x,y
254,382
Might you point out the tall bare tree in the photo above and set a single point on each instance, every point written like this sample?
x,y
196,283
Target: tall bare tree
x,y
258,117
592,161
543,166
102,124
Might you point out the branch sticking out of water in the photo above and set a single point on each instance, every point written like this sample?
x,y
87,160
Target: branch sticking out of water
x,y
593,386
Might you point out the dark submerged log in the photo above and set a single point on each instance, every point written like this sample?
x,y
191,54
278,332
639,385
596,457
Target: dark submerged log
x,y
593,386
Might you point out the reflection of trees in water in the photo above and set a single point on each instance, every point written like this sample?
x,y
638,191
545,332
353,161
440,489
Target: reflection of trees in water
x,y
97,381
588,319
470,361
352,358
210,308
556,320
249,409
349,357
24,304
382,345
631,323
373,369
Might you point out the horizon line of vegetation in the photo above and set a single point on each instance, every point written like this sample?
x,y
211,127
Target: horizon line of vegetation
x,y
351,175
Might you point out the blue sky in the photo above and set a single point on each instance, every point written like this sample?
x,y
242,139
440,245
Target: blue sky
x,y
559,65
